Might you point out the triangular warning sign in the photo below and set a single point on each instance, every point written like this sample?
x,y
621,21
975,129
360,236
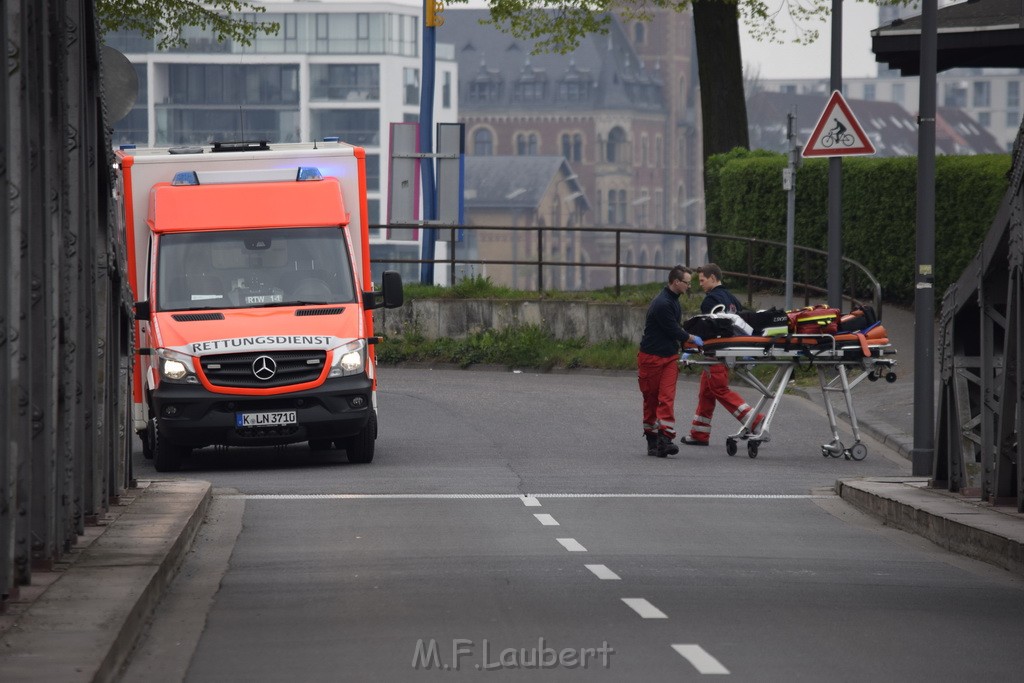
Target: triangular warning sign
x,y
837,133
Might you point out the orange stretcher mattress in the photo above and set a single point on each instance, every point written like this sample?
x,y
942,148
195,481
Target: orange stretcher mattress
x,y
854,345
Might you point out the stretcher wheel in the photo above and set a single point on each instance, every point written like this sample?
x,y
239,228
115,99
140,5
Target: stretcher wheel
x,y
890,377
824,452
730,446
872,377
858,451
752,448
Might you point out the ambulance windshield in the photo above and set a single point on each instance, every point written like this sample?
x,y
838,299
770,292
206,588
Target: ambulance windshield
x,y
253,268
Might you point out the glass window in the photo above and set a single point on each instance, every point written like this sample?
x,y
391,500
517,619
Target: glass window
x,y
253,268
869,91
1013,119
1013,94
446,91
985,118
411,78
483,142
982,93
355,126
898,93
353,82
956,96
372,172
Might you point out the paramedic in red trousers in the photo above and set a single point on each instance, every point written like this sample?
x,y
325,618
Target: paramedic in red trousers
x,y
714,380
658,363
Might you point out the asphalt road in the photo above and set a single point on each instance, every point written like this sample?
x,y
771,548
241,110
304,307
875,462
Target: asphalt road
x,y
512,527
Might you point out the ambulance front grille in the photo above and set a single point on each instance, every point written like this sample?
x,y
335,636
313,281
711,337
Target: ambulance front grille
x,y
263,369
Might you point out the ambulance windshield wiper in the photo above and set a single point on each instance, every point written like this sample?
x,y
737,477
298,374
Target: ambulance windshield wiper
x,y
278,304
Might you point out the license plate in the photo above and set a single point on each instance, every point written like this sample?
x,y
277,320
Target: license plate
x,y
281,417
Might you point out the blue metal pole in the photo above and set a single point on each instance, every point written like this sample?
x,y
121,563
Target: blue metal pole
x,y
427,146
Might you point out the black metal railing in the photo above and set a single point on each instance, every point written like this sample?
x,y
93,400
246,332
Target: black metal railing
x,y
860,286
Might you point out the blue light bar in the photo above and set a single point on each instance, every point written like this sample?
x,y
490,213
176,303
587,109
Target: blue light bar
x,y
185,178
126,147
309,173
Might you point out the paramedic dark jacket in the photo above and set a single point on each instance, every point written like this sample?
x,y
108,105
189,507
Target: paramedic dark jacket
x,y
720,295
663,335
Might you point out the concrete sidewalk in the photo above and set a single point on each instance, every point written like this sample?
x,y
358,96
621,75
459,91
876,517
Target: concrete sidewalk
x,y
80,621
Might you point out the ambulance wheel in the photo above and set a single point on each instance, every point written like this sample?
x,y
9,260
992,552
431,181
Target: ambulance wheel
x,y
752,448
858,451
167,456
730,446
359,448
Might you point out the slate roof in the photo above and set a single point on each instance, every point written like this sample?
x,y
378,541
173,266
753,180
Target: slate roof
x,y
618,77
511,182
892,129
976,33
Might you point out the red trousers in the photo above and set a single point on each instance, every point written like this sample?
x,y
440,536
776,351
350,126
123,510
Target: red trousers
x,y
714,387
658,376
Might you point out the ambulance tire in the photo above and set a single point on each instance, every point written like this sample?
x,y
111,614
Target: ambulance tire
x,y
167,456
359,448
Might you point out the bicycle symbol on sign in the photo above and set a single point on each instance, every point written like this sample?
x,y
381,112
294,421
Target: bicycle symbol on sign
x,y
837,136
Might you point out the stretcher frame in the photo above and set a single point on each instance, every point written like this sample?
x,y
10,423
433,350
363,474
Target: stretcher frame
x,y
821,351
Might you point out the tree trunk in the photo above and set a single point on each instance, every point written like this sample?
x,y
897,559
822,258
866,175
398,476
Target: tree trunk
x,y
720,67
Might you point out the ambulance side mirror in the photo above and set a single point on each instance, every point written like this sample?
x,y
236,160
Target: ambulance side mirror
x,y
392,288
142,310
390,294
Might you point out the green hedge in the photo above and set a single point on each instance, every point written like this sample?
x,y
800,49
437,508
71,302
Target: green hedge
x,y
744,196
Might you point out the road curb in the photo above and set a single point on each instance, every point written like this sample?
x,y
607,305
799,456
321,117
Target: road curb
x,y
84,626
969,528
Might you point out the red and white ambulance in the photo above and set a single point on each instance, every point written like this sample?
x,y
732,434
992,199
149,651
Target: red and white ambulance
x,y
250,265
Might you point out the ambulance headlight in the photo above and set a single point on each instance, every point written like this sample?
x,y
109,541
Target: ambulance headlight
x,y
349,359
176,367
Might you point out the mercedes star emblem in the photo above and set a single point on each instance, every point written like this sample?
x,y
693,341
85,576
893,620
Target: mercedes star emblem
x,y
264,368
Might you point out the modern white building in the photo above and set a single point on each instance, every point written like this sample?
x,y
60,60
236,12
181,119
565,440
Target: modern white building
x,y
336,68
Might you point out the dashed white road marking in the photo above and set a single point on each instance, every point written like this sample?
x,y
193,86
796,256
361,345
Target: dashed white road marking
x,y
701,660
645,609
546,520
602,572
572,545
531,502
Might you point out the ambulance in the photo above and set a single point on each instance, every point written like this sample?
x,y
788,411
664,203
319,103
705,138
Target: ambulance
x,y
250,267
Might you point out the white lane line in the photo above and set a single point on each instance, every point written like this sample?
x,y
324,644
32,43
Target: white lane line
x,y
602,572
546,520
572,545
526,500
701,660
644,608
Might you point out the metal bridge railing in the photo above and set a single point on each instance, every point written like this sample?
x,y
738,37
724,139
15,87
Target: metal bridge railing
x,y
64,307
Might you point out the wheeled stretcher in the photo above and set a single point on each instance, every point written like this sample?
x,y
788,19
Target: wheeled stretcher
x,y
834,356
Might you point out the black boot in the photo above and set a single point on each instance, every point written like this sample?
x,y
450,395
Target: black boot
x,y
666,447
652,444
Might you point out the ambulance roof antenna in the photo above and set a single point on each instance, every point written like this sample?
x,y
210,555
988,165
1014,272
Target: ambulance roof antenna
x,y
241,122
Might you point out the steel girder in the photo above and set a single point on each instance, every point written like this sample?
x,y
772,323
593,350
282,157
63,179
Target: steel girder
x,y
981,347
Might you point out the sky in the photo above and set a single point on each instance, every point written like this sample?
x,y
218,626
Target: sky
x,y
788,60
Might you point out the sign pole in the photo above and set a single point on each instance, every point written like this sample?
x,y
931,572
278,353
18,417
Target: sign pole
x,y
789,184
835,174
924,275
